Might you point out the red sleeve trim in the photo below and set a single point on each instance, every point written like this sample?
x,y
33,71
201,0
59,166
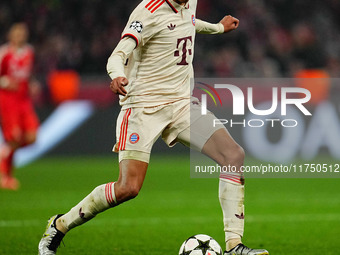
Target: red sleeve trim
x,y
171,6
132,36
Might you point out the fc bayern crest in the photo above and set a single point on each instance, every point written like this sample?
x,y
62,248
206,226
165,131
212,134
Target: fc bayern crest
x,y
137,25
134,138
193,19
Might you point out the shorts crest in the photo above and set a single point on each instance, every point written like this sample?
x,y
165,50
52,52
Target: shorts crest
x,y
134,138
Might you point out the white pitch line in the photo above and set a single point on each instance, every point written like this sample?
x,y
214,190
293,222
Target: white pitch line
x,y
293,217
18,223
157,220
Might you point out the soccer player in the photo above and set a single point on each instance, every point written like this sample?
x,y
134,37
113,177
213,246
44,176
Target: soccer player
x,y
151,68
18,120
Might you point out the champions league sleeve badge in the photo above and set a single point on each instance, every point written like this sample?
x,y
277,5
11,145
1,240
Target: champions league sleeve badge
x,y
137,25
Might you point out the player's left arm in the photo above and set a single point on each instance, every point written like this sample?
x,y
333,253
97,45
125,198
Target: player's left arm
x,y
34,87
6,82
227,24
34,84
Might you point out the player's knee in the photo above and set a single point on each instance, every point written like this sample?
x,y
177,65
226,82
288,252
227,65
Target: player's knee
x,y
238,155
14,144
127,192
133,191
235,157
30,139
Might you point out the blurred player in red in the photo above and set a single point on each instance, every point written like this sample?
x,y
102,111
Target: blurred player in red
x,y
18,120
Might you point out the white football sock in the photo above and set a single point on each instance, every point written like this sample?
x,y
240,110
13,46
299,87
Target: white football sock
x,y
231,195
101,198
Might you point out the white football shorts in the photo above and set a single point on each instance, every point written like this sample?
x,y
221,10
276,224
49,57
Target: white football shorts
x,y
139,128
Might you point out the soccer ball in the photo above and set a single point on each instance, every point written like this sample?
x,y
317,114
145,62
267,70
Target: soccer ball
x,y
200,245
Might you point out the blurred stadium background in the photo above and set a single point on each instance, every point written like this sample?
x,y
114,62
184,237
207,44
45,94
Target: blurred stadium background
x,y
276,38
73,39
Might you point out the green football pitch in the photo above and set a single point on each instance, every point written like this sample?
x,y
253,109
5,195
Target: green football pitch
x,y
285,216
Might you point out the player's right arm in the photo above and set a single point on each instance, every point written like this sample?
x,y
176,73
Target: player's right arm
x,y
115,64
227,24
137,32
5,81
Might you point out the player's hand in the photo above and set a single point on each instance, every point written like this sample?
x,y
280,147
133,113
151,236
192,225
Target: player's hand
x,y
230,23
13,85
8,83
35,89
117,85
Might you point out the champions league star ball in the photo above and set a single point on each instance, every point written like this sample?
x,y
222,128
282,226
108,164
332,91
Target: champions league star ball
x,y
200,245
137,25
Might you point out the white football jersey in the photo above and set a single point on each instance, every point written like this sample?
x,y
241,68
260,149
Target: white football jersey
x,y
160,68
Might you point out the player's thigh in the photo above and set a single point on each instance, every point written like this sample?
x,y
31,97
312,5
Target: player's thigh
x,y
180,121
213,140
198,128
10,123
132,172
29,122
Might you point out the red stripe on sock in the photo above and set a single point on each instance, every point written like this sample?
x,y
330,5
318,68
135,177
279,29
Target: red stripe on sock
x,y
109,194
106,193
231,177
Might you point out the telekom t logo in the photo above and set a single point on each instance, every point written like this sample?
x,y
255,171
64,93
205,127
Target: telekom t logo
x,y
239,101
183,41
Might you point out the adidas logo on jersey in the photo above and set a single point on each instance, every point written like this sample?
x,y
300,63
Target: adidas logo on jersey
x,y
171,26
